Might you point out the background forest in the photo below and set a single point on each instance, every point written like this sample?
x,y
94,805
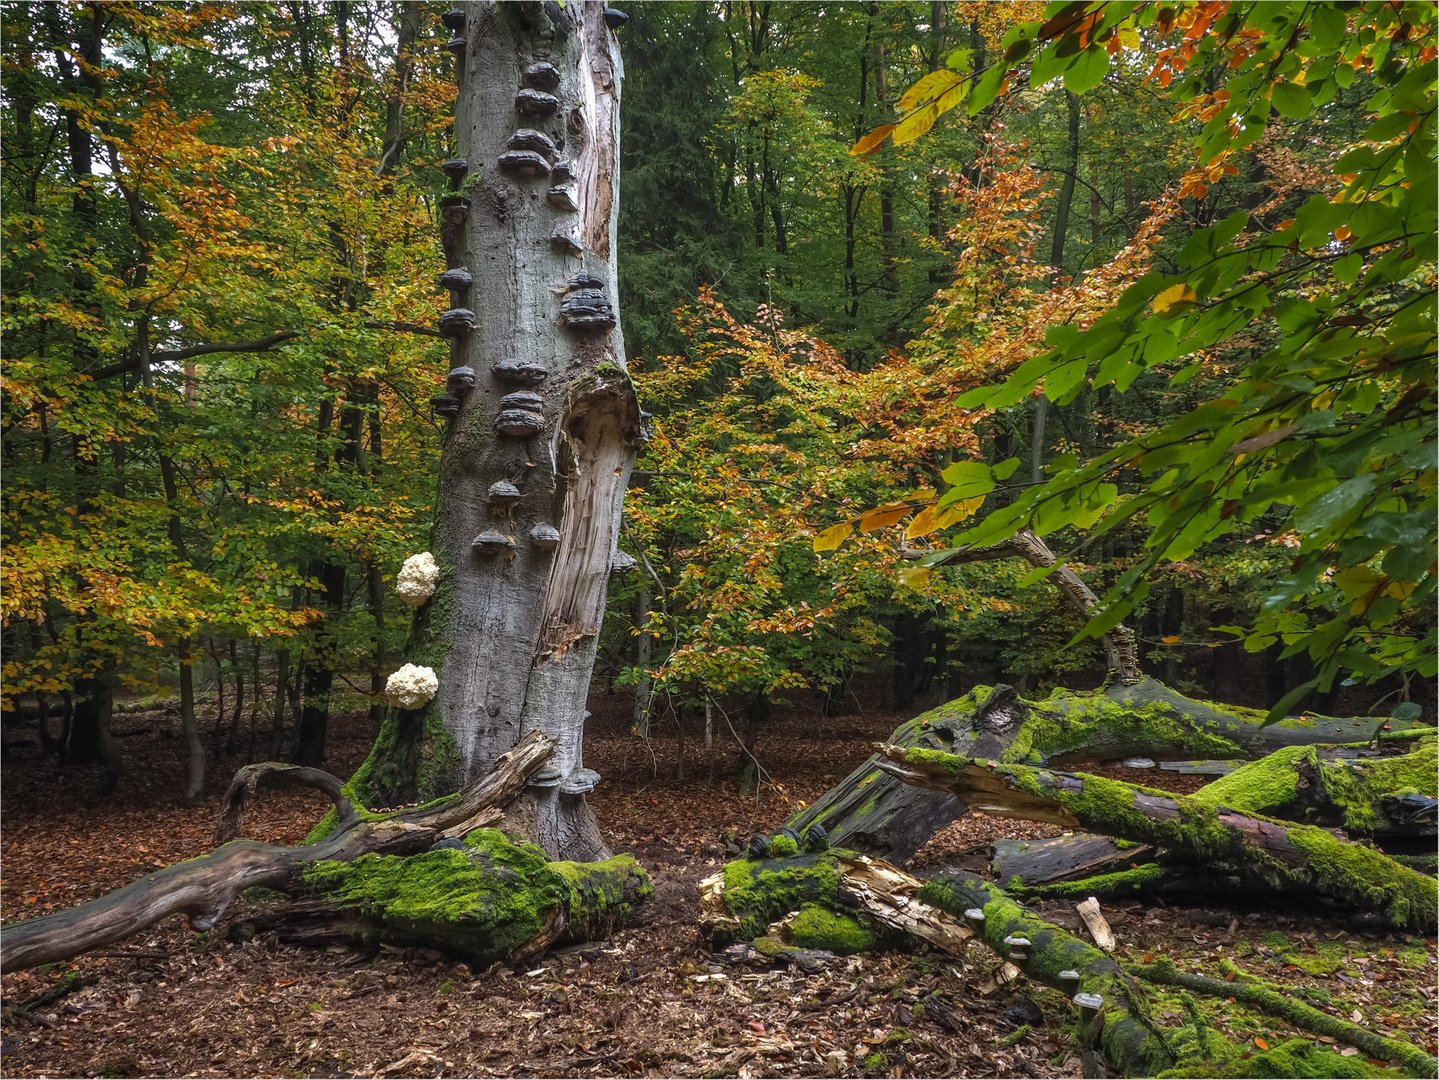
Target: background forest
x,y
219,288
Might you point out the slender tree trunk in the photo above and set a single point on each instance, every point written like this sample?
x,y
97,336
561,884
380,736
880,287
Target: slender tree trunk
x,y
544,423
643,644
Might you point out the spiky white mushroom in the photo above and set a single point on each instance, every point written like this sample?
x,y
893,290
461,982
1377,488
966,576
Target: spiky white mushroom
x,y
411,686
416,582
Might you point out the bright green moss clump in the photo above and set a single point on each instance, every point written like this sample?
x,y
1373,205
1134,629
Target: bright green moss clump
x,y
816,927
1295,1058
782,847
759,892
482,903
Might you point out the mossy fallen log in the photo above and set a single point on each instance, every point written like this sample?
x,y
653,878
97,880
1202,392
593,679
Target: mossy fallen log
x,y
479,900
1282,1002
1278,855
1365,794
871,812
203,888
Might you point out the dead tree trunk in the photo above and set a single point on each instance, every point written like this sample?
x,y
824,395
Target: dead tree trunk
x,y
1255,850
874,813
543,421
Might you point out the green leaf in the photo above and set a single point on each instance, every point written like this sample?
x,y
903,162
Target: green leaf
x,y
1087,70
1291,100
1406,712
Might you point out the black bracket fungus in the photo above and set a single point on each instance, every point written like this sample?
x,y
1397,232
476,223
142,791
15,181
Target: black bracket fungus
x,y
530,139
454,20
457,321
460,381
815,838
545,536
521,414
586,305
525,162
492,542
536,103
455,169
519,372
615,18
567,242
456,45
562,198
759,846
502,493
564,171
446,405
457,280
542,76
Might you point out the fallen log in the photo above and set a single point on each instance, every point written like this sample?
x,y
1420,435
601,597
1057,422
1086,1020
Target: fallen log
x,y
1257,850
202,888
873,813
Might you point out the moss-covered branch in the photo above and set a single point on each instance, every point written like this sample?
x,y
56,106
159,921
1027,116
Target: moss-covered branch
x,y
1276,854
1282,1002
872,813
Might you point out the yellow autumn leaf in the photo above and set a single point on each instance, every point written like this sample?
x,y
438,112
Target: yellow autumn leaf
x,y
931,86
1175,300
1170,640
1400,590
960,510
884,515
915,577
871,142
915,124
832,537
924,523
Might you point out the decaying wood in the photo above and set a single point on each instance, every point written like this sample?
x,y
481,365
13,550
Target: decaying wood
x,y
202,888
1098,926
1269,853
1062,858
251,778
877,815
889,896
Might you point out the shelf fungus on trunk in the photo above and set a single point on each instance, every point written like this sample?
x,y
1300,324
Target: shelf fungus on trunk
x,y
580,781
622,562
536,141
521,414
456,45
519,372
615,18
457,321
586,305
545,536
454,20
542,76
455,169
502,494
536,103
567,242
492,542
562,197
564,171
457,280
525,163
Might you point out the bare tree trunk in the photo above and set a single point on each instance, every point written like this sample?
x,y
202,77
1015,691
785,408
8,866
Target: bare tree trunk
x,y
544,427
642,658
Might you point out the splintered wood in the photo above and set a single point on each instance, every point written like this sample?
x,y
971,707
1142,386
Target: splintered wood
x,y
1098,927
890,896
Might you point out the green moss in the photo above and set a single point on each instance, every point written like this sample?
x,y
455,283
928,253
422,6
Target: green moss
x,y
481,903
816,927
1295,1058
1368,879
1276,940
783,846
759,892
876,1063
1015,1037
1121,881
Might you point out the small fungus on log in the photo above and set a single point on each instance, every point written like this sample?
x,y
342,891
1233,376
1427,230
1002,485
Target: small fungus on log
x,y
456,45
580,782
446,405
564,171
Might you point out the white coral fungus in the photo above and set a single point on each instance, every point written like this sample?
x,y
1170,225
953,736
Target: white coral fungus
x,y
416,582
411,686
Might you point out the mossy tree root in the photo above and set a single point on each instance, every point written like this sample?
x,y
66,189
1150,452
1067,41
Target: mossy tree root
x,y
874,814
1275,854
203,888
1282,1002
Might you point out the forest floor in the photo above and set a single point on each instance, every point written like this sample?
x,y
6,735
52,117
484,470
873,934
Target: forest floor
x,y
647,1002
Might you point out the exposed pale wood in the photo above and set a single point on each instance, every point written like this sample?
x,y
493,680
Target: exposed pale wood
x,y
1098,926
202,888
890,896
1063,858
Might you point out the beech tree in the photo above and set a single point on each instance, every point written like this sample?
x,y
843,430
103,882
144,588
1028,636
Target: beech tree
x,y
544,423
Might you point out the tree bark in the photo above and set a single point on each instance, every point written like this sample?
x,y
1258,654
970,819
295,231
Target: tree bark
x,y
1254,850
871,812
203,888
544,427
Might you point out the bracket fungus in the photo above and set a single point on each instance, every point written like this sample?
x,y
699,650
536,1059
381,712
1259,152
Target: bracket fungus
x,y
502,493
586,306
525,163
579,782
460,381
542,76
454,19
457,321
520,372
456,45
562,197
567,242
455,169
492,542
536,103
622,562
549,776
545,536
519,422
446,405
564,171
455,209
615,18
530,139
457,280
